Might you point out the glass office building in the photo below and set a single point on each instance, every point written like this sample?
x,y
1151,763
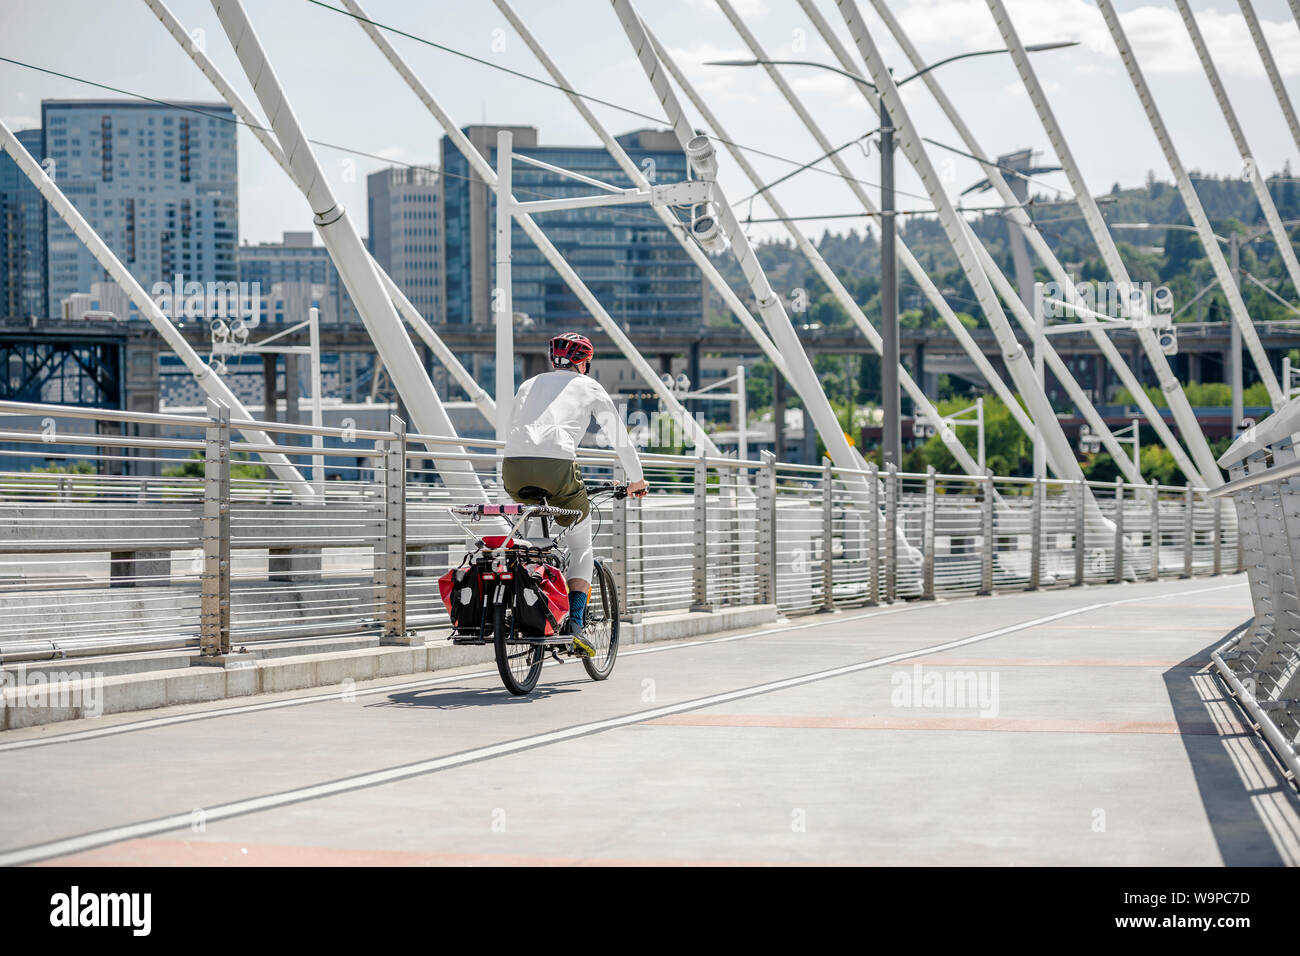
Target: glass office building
x,y
158,183
404,210
280,268
625,255
22,236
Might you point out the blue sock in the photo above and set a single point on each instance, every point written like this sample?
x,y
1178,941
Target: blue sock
x,y
577,606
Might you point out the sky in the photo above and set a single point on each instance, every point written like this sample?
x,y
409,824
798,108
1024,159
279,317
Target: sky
x,y
345,92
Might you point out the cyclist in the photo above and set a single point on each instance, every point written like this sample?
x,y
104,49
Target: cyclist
x,y
550,414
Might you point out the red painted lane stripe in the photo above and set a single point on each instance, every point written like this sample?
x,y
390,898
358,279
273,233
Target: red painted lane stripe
x,y
155,852
976,723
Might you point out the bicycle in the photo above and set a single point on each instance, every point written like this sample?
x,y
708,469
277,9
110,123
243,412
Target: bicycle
x,y
497,559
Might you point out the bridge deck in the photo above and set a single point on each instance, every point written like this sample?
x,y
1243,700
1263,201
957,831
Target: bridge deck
x,y
1100,738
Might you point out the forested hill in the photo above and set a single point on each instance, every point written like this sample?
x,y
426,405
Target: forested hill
x,y
1171,257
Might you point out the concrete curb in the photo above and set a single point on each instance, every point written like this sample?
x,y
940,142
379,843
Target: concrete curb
x,y
51,696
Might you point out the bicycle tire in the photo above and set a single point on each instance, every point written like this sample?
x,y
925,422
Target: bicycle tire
x,y
601,624
518,664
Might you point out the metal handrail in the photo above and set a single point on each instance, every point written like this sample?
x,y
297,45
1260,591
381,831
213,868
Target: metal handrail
x,y
716,531
1261,667
1282,424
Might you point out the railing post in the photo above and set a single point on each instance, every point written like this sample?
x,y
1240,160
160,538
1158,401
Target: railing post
x,y
927,538
619,558
1218,536
873,535
1080,534
1117,564
1189,531
986,532
766,504
828,536
393,562
1241,552
891,532
1036,536
1155,530
700,553
214,601
729,518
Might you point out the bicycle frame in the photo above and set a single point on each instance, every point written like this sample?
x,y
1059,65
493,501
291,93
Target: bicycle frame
x,y
525,514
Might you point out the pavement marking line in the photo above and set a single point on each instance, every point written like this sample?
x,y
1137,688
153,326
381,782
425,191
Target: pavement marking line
x,y
153,723
1122,627
183,820
155,852
1193,664
978,724
1210,607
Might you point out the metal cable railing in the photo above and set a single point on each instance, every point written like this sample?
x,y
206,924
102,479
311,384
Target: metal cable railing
x,y
1261,665
140,542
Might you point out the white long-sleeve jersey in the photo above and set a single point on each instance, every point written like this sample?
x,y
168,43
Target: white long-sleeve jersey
x,y
551,413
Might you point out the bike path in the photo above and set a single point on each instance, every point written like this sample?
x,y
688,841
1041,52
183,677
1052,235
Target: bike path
x,y
812,756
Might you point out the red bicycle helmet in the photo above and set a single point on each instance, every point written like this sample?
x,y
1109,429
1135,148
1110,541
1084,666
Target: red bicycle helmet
x,y
570,348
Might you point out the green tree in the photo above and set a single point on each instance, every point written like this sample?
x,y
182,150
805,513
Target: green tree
x,y
193,467
758,385
73,468
869,387
1007,449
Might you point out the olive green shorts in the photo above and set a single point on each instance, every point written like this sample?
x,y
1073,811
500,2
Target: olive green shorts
x,y
560,479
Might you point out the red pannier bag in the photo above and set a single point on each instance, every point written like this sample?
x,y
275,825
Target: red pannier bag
x,y
541,599
461,589
540,595
462,593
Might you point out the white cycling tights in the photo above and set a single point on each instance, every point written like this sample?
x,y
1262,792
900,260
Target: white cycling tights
x,y
582,560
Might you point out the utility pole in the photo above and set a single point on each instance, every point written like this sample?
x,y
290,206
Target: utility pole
x,y
1040,372
502,298
1234,342
892,435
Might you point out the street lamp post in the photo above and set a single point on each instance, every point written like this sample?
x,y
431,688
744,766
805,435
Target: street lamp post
x,y
923,428
891,398
1090,444
681,387
231,340
1234,243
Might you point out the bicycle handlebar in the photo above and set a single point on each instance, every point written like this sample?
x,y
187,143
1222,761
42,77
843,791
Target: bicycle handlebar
x,y
476,511
599,487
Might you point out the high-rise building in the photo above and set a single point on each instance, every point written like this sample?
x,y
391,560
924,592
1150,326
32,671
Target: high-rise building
x,y
158,183
626,256
295,271
404,207
22,236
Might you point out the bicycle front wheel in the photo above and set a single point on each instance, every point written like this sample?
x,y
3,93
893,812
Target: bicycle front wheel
x,y
601,624
519,664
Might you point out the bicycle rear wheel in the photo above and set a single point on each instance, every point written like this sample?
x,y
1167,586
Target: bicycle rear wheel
x,y
518,664
601,624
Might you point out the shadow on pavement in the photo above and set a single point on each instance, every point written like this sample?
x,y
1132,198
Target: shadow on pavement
x,y
1240,833
453,698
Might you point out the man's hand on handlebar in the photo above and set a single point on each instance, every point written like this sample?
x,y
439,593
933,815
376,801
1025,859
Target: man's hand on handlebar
x,y
638,489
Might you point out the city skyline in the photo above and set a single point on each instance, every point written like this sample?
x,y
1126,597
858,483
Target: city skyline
x,y
359,102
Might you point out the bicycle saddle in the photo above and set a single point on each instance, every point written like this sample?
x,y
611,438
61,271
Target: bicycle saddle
x,y
532,491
